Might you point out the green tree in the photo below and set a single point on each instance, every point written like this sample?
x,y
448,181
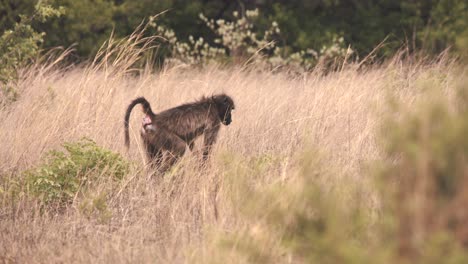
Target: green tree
x,y
19,45
86,23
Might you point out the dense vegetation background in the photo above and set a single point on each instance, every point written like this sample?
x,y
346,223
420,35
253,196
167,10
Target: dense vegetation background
x,y
431,25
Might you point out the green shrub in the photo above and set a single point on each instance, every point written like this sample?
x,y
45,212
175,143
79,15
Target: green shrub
x,y
63,174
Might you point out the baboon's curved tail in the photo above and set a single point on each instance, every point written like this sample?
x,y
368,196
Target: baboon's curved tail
x,y
146,109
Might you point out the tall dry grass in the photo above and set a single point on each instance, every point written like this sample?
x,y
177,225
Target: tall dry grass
x,y
170,219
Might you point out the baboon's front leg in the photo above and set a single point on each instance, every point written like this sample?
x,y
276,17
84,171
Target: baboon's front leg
x,y
209,140
191,145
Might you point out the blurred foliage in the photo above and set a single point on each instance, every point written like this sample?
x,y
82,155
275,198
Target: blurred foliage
x,y
430,25
425,172
305,218
62,175
315,215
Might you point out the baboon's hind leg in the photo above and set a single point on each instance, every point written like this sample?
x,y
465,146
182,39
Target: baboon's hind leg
x,y
157,160
175,152
154,155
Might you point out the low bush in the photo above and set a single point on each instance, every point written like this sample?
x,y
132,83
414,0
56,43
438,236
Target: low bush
x,y
65,174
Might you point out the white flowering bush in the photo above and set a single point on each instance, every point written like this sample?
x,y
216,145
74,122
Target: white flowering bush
x,y
241,41
239,37
193,52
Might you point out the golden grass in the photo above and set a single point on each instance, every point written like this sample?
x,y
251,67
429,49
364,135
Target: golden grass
x,y
167,220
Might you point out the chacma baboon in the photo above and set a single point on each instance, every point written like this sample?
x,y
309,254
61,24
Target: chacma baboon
x,y
166,134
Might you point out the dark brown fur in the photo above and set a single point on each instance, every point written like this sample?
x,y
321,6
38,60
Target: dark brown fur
x,y
170,131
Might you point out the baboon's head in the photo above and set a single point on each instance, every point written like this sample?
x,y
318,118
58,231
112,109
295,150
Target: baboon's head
x,y
224,105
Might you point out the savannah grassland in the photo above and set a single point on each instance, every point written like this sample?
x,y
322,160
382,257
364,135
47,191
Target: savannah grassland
x,y
293,179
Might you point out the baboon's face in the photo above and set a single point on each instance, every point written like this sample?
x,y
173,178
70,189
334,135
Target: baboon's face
x,y
225,106
227,119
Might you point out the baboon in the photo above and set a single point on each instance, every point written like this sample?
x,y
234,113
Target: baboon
x,y
166,134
